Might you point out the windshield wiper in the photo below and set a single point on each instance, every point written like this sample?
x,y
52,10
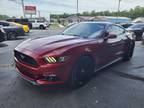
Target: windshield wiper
x,y
70,34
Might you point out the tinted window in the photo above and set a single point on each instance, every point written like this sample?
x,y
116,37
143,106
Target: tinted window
x,y
32,21
40,21
24,20
126,25
4,24
84,29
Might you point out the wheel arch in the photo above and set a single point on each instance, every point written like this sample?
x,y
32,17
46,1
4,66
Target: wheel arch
x,y
88,55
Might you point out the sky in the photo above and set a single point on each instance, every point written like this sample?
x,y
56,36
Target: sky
x,y
8,7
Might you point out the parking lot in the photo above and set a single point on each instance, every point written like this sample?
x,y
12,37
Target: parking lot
x,y
118,86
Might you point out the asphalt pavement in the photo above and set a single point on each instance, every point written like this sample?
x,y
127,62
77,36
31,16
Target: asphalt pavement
x,y
118,86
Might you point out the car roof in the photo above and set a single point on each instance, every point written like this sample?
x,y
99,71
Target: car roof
x,y
99,22
105,23
3,21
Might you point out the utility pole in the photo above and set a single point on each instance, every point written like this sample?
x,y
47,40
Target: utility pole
x,y
22,2
77,6
119,6
39,14
118,11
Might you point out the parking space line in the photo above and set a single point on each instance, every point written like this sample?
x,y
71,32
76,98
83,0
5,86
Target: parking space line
x,y
6,65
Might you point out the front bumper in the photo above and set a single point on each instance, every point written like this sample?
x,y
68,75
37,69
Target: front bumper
x,y
37,82
45,75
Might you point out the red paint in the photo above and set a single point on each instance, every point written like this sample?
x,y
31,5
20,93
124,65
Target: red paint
x,y
101,51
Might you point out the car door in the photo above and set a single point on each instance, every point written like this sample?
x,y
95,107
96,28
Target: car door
x,y
116,45
34,24
103,52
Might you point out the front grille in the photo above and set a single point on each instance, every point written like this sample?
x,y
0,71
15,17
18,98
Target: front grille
x,y
26,59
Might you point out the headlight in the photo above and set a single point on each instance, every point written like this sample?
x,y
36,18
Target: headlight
x,y
2,30
56,59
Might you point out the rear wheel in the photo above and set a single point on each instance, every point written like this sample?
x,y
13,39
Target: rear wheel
x,y
128,55
41,27
11,35
81,72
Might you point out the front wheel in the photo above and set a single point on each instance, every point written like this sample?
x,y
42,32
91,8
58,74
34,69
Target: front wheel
x,y
128,55
42,27
11,35
81,72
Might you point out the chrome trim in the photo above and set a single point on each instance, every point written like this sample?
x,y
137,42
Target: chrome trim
x,y
107,64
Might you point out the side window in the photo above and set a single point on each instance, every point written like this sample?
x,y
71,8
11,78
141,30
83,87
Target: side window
x,y
32,21
40,21
115,30
6,24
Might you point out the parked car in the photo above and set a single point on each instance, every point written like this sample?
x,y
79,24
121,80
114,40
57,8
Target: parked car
x,y
25,27
138,29
2,34
12,31
126,25
39,24
23,21
75,55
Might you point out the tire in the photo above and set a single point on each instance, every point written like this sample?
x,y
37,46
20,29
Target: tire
x,y
81,72
128,55
42,27
11,36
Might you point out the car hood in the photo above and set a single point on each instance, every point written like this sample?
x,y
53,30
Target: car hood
x,y
46,44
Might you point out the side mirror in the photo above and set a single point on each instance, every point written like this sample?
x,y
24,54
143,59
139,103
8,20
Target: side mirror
x,y
110,36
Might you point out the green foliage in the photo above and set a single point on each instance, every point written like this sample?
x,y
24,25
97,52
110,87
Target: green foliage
x,y
132,13
3,17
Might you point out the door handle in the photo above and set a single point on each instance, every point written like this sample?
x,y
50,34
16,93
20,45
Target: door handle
x,y
118,43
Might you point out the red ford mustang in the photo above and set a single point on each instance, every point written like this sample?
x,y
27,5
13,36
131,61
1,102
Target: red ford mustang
x,y
73,56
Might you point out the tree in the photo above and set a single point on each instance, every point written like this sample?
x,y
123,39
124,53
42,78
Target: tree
x,y
4,17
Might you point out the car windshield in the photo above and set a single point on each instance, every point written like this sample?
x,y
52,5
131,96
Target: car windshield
x,y
85,30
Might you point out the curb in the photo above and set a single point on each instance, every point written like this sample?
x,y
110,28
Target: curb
x,y
128,75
